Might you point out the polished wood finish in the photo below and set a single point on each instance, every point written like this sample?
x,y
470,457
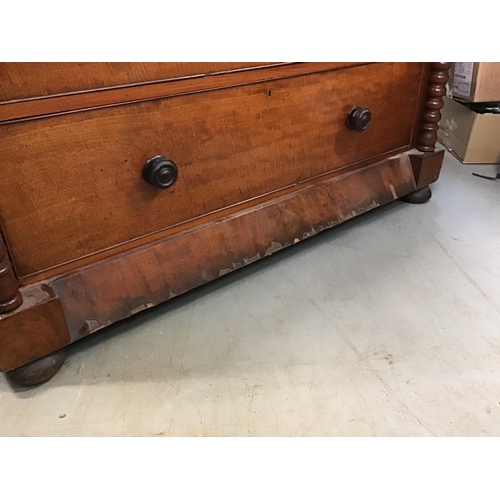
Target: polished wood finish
x,y
12,111
31,80
434,102
265,158
229,146
90,259
10,297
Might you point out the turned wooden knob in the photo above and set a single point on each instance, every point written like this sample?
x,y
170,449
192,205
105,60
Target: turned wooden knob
x,y
359,118
160,172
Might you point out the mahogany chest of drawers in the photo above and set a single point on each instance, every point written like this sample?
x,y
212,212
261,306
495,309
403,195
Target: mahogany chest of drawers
x,y
123,185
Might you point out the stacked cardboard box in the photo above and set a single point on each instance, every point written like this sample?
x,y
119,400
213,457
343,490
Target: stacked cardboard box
x,y
470,123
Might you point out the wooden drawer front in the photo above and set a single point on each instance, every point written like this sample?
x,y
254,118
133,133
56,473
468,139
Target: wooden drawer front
x,y
28,80
72,185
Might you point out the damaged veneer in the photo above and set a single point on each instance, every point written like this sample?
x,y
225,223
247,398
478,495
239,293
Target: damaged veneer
x,y
69,307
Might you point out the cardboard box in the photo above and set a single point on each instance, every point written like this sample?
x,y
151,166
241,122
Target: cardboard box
x,y
475,82
472,137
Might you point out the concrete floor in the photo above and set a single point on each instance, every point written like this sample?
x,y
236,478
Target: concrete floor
x,y
388,325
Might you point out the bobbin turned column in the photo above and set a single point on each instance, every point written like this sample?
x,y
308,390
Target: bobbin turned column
x,y
423,166
10,297
433,103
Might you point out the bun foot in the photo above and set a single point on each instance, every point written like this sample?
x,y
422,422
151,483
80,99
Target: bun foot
x,y
419,196
38,371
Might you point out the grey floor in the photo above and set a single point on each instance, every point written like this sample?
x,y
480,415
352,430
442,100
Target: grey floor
x,y
388,325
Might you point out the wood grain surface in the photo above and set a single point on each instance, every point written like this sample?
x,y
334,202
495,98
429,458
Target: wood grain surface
x,y
72,186
37,79
22,110
98,295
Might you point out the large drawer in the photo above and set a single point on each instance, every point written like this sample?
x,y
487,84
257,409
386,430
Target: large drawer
x,y
72,184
